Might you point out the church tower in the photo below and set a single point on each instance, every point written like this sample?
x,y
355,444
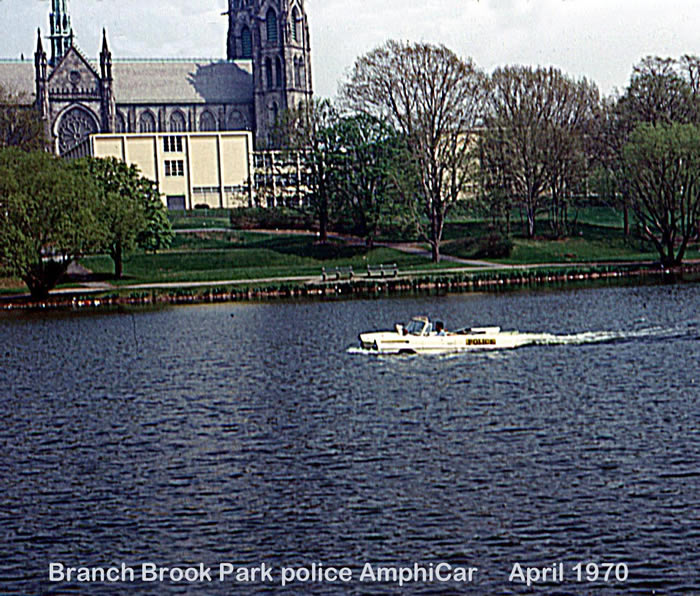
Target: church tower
x,y
61,31
274,34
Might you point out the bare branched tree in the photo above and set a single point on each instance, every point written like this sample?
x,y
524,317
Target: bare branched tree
x,y
535,138
435,99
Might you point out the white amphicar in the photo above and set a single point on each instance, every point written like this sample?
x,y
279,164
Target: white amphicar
x,y
422,336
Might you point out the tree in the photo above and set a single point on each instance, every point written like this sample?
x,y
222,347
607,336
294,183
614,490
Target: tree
x,y
369,166
662,164
158,232
311,130
47,217
534,141
127,208
435,99
660,91
20,125
609,135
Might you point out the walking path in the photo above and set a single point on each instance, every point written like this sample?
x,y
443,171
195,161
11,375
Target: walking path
x,y
471,267
90,286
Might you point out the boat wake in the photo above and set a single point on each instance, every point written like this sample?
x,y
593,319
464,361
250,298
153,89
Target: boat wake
x,y
586,337
596,337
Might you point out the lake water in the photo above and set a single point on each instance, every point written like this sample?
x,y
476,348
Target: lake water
x,y
243,434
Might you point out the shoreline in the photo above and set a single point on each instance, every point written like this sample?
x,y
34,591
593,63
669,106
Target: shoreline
x,y
454,280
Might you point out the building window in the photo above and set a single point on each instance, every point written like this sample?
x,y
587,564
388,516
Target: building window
x,y
236,121
300,74
268,72
207,122
147,122
176,202
174,167
75,127
119,123
246,43
271,22
177,122
206,190
278,72
172,144
273,113
295,24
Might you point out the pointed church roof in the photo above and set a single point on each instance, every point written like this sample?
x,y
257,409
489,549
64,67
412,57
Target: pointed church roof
x,y
72,59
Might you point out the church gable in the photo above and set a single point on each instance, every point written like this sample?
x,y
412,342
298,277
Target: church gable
x,y
74,77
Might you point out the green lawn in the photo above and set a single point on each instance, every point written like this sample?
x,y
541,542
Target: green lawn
x,y
250,255
199,218
9,286
242,254
598,237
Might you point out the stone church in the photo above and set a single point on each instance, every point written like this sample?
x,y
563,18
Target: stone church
x,y
267,69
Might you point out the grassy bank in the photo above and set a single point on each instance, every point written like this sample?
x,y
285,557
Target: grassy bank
x,y
597,237
247,255
258,259
434,283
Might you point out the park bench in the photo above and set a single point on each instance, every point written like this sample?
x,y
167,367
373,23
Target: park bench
x,y
337,272
383,270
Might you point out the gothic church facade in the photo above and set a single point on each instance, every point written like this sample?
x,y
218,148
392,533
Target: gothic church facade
x,y
267,69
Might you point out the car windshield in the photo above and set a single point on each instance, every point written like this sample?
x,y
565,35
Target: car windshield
x,y
415,327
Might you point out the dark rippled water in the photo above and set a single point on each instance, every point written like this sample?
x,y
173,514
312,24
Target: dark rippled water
x,y
250,433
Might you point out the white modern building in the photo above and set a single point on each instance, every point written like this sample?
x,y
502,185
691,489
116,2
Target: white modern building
x,y
195,169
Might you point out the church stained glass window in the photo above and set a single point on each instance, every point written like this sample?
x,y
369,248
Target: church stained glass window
x,y
75,126
119,123
278,72
177,122
271,22
207,121
295,24
268,72
246,43
147,123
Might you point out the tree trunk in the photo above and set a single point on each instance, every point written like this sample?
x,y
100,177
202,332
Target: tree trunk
x,y
435,251
38,290
530,222
323,226
117,257
43,277
626,213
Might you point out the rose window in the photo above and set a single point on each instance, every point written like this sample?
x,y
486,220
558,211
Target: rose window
x,y
75,127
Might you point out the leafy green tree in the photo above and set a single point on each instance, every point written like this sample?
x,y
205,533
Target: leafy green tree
x,y
20,125
435,99
47,218
370,162
660,91
128,208
662,166
158,233
119,209
311,130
